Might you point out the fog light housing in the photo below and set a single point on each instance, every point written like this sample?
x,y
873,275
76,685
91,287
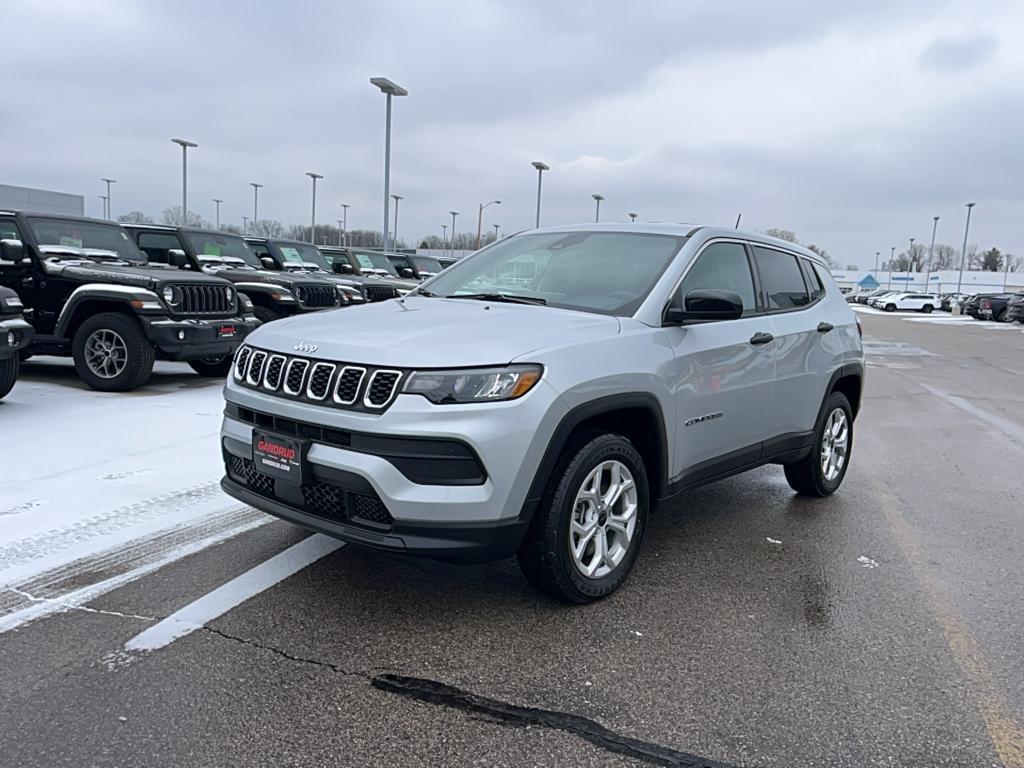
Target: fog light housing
x,y
181,335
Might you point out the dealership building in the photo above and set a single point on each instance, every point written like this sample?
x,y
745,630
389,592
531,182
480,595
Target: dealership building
x,y
40,200
943,281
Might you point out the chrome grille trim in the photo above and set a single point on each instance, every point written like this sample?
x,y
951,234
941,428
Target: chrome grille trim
x,y
369,388
312,375
288,372
256,362
242,361
267,384
359,384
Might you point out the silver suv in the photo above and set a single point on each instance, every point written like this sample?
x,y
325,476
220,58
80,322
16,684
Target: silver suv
x,y
542,396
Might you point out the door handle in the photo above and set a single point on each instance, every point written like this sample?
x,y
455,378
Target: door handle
x,y
761,338
825,327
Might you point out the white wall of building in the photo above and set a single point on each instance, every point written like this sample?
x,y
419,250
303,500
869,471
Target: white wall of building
x,y
40,201
944,281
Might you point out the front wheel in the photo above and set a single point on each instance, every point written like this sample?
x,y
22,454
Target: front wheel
x,y
584,539
212,366
112,354
890,307
8,374
821,472
927,309
1004,316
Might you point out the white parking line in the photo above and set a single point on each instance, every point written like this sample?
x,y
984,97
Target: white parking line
x,y
235,592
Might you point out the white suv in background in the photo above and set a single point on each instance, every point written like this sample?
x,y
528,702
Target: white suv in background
x,y
919,302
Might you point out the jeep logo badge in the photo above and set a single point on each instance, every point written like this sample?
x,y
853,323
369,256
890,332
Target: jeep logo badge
x,y
305,346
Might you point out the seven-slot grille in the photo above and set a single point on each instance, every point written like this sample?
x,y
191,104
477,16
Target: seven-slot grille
x,y
205,300
310,296
379,292
337,384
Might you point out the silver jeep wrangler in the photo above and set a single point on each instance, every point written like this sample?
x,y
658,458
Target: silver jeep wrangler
x,y
542,396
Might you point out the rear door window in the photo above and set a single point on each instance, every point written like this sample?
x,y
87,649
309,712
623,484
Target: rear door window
x,y
782,280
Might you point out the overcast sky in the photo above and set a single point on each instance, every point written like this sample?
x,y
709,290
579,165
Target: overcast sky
x,y
850,123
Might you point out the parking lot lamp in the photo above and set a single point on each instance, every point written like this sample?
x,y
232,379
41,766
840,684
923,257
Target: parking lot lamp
x,y
255,201
597,207
389,89
103,202
218,201
184,177
963,251
496,227
344,221
540,175
892,260
245,225
480,219
632,218
108,207
928,270
454,214
910,261
444,239
877,253
312,219
394,242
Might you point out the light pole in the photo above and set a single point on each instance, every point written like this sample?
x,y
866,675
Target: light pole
x,y
892,258
480,219
103,199
963,252
928,271
877,253
910,260
496,226
389,89
597,207
107,210
454,214
255,202
245,225
184,177
632,218
344,220
218,201
541,168
444,239
312,218
340,230
394,244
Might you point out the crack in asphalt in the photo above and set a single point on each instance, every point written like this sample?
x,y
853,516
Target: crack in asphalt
x,y
69,607
484,709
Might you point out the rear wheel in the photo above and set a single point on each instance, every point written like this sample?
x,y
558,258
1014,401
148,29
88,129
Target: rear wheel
x,y
927,309
890,307
1004,316
212,366
821,472
112,354
8,374
584,539
266,314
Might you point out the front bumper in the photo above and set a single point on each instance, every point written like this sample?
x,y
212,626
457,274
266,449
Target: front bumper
x,y
461,522
195,339
22,334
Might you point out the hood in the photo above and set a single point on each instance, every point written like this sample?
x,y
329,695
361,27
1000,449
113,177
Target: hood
x,y
140,276
433,333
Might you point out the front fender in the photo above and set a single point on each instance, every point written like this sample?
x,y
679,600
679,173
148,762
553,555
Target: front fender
x,y
138,300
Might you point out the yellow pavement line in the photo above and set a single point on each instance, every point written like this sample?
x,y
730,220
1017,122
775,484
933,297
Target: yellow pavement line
x,y
1006,733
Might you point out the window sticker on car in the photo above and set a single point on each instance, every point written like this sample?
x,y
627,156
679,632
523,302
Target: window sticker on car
x,y
73,242
211,249
291,254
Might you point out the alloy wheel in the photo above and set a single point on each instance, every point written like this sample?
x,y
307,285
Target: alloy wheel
x,y
835,444
603,519
106,353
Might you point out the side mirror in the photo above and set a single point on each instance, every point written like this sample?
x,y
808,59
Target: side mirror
x,y
177,258
13,252
346,268
706,304
268,263
406,272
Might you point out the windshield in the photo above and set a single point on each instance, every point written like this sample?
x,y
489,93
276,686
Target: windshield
x,y
300,254
87,234
375,264
609,273
427,265
220,245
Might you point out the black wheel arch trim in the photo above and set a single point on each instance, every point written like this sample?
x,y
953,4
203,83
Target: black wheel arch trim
x,y
113,293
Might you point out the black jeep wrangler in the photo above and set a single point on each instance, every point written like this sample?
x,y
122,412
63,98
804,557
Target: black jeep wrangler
x,y
370,268
295,256
274,295
15,333
94,297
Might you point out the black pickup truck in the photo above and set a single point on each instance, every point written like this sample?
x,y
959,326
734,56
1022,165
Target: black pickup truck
x,y
94,297
15,332
273,294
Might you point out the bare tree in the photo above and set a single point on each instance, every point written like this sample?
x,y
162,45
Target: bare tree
x,y
234,229
135,217
782,234
266,228
852,267
823,253
945,257
173,217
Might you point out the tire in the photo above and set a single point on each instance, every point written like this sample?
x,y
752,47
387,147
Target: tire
x,y
890,307
8,374
266,314
127,340
807,476
545,556
927,309
1003,316
212,366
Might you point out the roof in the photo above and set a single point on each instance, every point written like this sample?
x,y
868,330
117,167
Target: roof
x,y
68,217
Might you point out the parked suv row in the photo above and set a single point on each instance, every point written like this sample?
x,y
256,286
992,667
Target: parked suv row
x,y
541,396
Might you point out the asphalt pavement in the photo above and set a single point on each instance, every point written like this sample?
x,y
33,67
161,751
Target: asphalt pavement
x,y
881,627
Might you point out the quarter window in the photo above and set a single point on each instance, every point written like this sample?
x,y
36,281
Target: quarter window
x,y
9,230
722,267
813,280
781,279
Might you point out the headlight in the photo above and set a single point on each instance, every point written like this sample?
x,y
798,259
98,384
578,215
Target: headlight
x,y
12,303
474,385
300,293
229,293
172,295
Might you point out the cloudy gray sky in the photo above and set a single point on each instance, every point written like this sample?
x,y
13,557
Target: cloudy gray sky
x,y
850,123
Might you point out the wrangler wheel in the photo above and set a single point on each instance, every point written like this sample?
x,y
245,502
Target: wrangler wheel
x,y
212,366
112,354
8,374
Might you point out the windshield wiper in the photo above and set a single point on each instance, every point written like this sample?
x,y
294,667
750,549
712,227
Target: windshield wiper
x,y
508,298
428,294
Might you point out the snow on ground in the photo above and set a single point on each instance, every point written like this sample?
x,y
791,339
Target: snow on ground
x,y
84,472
